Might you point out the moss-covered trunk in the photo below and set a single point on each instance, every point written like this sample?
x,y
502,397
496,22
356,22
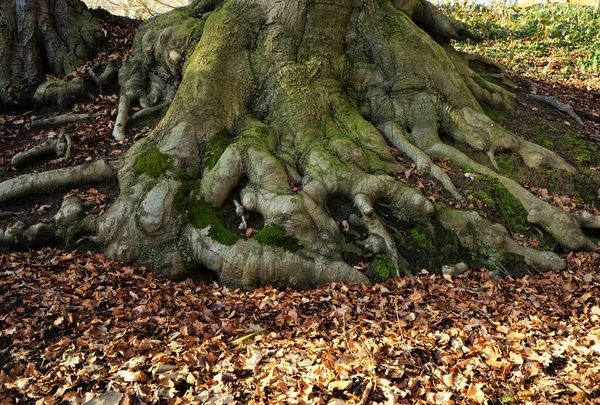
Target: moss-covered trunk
x,y
40,37
282,123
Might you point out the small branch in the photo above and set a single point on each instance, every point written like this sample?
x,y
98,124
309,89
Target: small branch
x,y
553,102
150,110
58,146
60,119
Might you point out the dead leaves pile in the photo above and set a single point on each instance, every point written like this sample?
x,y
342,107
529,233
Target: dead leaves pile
x,y
75,326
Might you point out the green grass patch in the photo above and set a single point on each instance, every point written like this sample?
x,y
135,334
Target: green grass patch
x,y
563,34
507,167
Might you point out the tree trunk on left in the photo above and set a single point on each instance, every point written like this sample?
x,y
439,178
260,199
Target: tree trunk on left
x,y
36,38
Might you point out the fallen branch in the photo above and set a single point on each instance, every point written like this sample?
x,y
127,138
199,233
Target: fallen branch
x,y
553,102
60,119
53,180
58,146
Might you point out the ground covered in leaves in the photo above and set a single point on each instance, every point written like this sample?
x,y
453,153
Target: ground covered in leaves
x,y
76,325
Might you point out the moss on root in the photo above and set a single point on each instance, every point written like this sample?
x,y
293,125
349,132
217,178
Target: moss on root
x,y
275,235
384,268
201,215
215,148
153,163
508,207
496,115
431,249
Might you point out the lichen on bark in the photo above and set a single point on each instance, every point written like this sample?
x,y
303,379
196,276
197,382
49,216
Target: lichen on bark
x,y
286,105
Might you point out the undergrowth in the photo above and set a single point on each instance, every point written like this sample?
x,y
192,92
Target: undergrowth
x,y
562,37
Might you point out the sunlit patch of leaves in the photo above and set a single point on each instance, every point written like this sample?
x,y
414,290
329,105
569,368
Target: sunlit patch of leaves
x,y
73,326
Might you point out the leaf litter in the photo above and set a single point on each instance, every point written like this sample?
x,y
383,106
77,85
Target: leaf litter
x,y
74,326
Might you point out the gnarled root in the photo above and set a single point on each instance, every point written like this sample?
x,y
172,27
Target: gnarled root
x,y
491,241
57,146
48,182
285,106
102,73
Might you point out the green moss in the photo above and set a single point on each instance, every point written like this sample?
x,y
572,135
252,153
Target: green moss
x,y
215,148
422,237
582,150
496,115
427,249
511,211
506,166
145,122
548,144
153,163
201,215
182,196
275,235
485,198
384,268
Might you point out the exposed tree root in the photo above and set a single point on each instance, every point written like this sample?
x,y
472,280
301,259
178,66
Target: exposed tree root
x,y
102,73
48,182
491,240
59,91
57,146
553,102
60,120
282,107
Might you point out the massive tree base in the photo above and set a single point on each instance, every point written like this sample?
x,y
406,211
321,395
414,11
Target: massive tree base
x,y
282,107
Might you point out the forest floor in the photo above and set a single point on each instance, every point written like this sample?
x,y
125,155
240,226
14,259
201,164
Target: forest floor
x,y
74,325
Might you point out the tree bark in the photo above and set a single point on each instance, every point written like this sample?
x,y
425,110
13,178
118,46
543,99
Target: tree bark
x,y
289,105
40,37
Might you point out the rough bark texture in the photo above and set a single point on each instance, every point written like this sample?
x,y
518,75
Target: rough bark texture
x,y
287,104
40,37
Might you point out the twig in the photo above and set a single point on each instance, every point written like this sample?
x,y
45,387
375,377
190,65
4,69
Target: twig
x,y
367,393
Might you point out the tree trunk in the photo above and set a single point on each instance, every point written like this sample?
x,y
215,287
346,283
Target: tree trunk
x,y
40,37
290,108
